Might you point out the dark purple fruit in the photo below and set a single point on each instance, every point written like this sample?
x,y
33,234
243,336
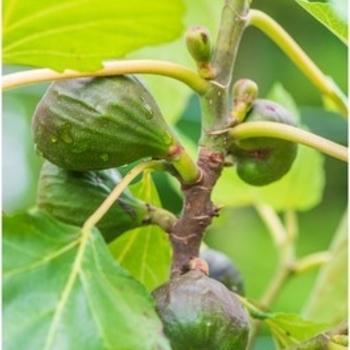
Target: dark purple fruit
x,y
222,269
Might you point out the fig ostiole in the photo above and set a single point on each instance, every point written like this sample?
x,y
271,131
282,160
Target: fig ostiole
x,y
72,196
199,313
264,160
99,123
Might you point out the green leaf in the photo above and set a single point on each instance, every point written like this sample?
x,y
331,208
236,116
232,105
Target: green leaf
x,y
62,290
328,16
145,251
300,189
291,328
80,34
328,300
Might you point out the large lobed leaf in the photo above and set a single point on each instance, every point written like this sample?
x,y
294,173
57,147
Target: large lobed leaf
x,y
330,16
79,34
62,290
142,25
145,251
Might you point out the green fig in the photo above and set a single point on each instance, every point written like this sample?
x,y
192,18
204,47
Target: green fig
x,y
99,123
263,160
199,313
72,196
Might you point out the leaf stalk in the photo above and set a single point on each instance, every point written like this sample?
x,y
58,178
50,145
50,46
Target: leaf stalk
x,y
157,67
117,191
275,32
289,133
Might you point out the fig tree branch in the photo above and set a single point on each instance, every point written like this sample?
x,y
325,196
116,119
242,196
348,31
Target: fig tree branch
x,y
233,22
198,209
311,261
273,223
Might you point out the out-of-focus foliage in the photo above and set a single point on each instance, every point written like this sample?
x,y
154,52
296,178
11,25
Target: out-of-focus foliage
x,y
79,34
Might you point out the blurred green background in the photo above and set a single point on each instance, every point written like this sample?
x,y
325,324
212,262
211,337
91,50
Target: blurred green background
x,y
237,232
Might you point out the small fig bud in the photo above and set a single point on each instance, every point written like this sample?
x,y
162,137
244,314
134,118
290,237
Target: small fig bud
x,y
199,46
244,92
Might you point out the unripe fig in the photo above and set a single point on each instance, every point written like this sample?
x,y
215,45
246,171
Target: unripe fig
x,y
199,313
263,160
72,196
99,123
222,269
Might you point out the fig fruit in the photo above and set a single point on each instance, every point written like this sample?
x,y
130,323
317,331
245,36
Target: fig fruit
x,y
222,269
199,313
263,160
72,196
99,123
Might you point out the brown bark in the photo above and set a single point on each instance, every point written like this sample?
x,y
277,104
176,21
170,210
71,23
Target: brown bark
x,y
198,211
